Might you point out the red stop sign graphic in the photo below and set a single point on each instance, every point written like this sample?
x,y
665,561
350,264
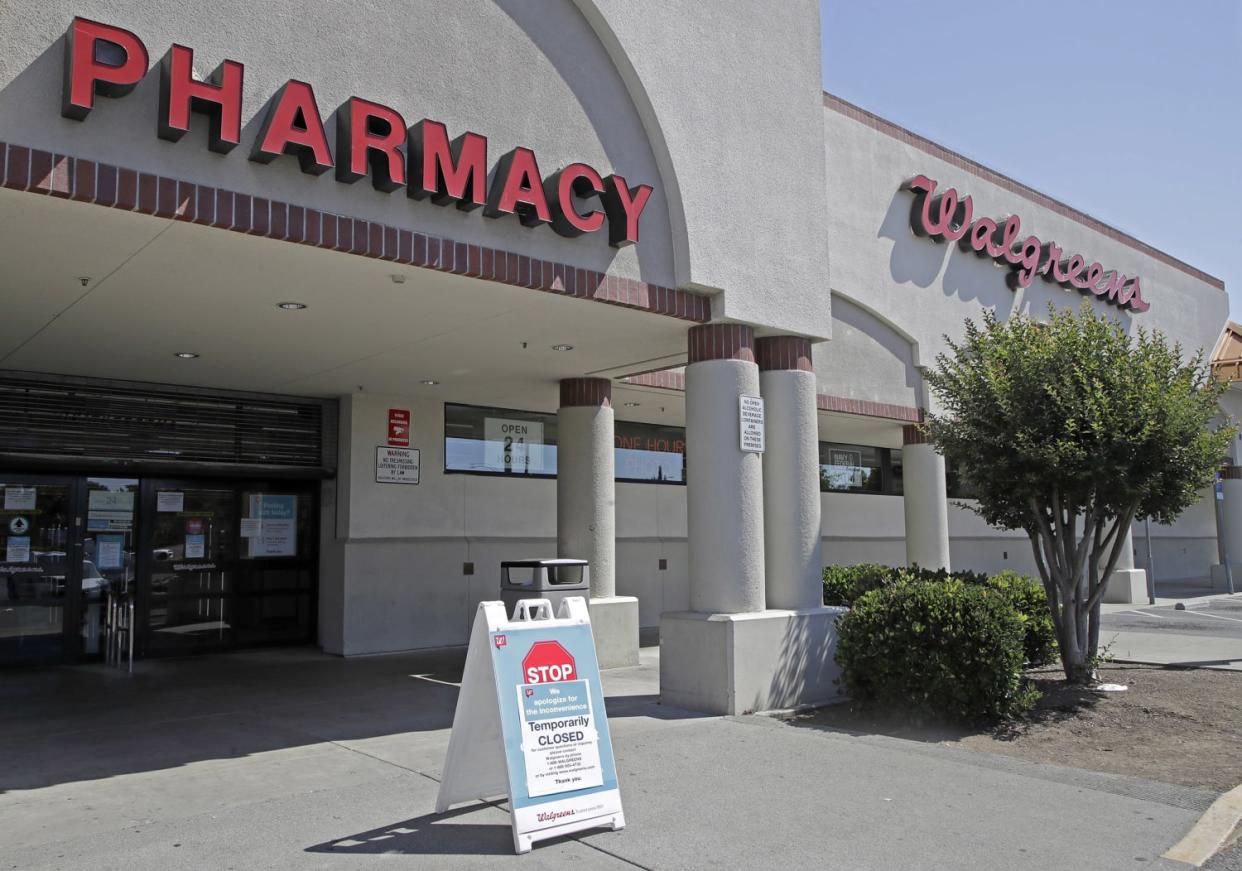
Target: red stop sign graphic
x,y
548,661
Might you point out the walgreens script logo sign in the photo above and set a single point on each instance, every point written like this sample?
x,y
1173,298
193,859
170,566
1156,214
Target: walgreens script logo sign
x,y
547,662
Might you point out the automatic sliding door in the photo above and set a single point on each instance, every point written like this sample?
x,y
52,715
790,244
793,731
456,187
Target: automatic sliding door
x,y
37,572
191,560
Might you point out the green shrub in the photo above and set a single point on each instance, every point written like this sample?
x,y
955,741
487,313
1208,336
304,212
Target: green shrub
x,y
943,648
1028,598
843,585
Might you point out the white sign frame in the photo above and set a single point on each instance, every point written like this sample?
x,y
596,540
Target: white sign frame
x,y
476,767
394,474
750,424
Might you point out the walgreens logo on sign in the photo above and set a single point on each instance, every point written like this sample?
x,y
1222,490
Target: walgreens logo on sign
x,y
946,217
102,60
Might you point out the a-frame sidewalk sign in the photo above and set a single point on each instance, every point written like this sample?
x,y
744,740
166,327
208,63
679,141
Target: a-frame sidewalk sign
x,y
530,723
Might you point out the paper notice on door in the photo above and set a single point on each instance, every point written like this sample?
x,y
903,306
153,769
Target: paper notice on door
x,y
108,550
277,531
195,546
169,500
18,550
251,527
19,498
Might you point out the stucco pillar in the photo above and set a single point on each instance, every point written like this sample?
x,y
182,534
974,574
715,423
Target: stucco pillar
x,y
586,500
926,502
586,512
731,654
724,493
792,539
1229,528
1126,583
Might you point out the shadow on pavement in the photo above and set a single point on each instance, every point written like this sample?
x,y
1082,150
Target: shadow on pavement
x,y
429,834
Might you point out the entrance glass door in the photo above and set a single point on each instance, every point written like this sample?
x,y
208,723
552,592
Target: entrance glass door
x,y
37,569
192,564
109,547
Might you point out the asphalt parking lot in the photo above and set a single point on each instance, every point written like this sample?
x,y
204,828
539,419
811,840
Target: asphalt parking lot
x,y
1207,633
1218,617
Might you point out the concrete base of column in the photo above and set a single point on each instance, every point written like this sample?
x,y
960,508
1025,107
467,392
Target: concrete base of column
x,y
1126,586
614,621
1220,582
758,661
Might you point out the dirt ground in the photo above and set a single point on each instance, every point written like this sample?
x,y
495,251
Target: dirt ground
x,y
1172,725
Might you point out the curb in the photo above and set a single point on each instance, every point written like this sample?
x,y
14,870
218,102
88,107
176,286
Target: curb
x,y
1211,830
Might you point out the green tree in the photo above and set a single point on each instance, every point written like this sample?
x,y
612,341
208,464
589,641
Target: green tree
x,y
1071,429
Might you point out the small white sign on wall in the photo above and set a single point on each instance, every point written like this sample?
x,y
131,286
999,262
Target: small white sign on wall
x,y
512,445
396,465
750,423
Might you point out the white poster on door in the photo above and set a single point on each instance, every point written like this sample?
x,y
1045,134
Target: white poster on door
x,y
108,551
169,500
19,498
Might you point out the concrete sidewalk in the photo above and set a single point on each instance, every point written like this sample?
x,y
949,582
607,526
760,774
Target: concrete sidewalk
x,y
291,759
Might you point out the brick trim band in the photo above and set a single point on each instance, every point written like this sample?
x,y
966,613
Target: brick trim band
x,y
867,408
896,131
721,342
586,392
774,353
912,434
1231,473
61,175
665,379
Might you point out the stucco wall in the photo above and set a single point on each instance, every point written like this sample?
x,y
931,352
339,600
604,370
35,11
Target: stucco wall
x,y
928,289
867,359
391,575
735,87
524,74
652,90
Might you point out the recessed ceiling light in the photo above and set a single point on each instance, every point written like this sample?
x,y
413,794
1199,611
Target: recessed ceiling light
x,y
186,355
562,347
291,306
631,405
429,382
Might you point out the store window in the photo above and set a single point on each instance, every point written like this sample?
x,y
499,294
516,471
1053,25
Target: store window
x,y
650,452
504,441
499,441
851,468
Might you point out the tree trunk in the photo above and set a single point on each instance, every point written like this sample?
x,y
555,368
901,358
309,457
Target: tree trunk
x,y
1073,653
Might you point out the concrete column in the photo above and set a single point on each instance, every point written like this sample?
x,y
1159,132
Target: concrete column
x,y
792,541
586,512
1126,583
724,494
731,654
1229,529
926,502
586,500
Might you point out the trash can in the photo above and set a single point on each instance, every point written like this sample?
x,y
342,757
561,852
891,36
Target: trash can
x,y
551,579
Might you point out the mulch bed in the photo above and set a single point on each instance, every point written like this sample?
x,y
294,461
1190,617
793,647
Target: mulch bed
x,y
1173,725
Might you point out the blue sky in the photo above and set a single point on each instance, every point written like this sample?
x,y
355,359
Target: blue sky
x,y
1129,110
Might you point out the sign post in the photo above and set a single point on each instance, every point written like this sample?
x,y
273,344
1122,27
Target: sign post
x,y
530,723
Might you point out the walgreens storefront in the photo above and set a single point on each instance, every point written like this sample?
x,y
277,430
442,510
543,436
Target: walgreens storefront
x,y
482,282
